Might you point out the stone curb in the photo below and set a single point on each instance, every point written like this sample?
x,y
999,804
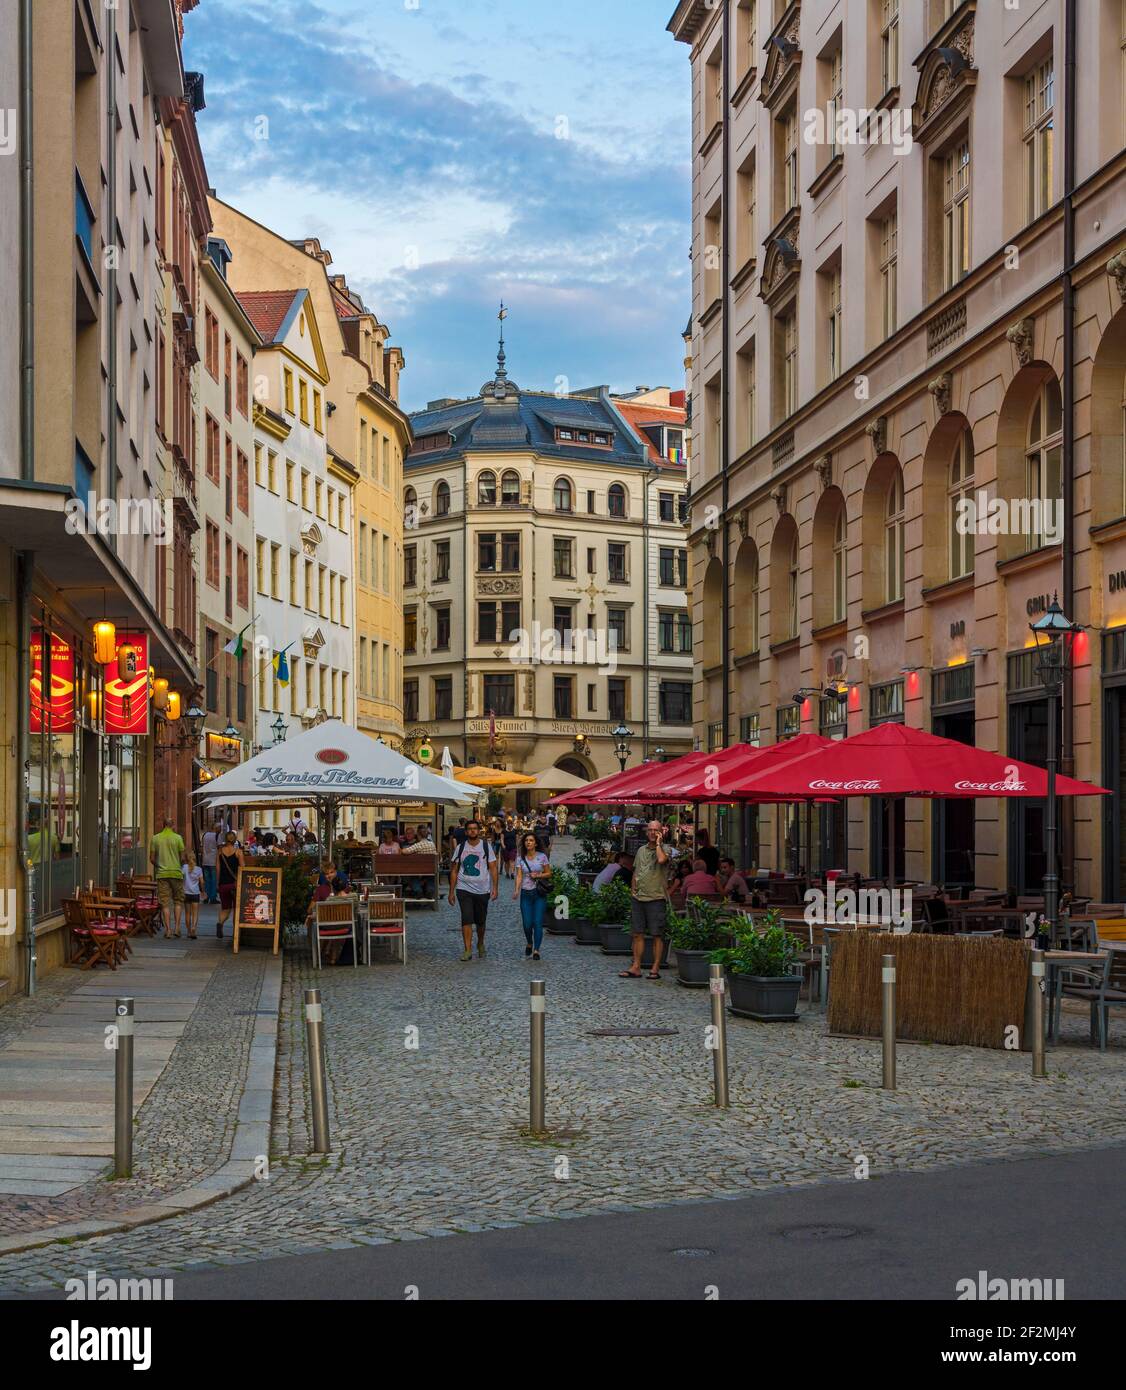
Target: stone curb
x,y
251,1141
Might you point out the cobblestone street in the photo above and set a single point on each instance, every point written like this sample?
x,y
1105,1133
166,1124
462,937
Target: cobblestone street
x,y
429,1141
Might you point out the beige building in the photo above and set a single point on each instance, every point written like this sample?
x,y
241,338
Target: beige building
x,y
885,329
545,570
231,466
366,433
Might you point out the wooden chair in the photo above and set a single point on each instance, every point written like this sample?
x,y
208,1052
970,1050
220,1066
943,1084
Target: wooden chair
x,y
387,919
94,940
334,920
105,909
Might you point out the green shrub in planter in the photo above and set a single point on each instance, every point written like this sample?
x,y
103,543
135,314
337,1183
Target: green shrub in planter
x,y
614,901
694,934
594,837
764,983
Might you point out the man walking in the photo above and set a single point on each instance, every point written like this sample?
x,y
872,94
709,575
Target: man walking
x,y
473,884
210,859
166,853
649,900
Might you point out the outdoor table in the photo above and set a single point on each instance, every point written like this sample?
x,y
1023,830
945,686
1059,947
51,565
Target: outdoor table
x,y
1057,961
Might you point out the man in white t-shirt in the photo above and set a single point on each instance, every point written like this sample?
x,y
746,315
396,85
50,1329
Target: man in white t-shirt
x,y
473,885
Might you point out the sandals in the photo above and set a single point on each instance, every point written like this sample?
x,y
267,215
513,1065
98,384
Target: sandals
x,y
628,975
653,975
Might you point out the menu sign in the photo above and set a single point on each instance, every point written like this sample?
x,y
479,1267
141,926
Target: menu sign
x,y
126,702
258,896
58,702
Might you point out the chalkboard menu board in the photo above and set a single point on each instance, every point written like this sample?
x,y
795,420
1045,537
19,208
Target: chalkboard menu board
x,y
258,896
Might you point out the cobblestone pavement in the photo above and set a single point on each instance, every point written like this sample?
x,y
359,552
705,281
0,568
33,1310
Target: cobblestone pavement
x,y
429,1141
183,1130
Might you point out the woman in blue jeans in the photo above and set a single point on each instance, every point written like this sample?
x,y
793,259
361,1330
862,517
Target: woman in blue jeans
x,y
531,867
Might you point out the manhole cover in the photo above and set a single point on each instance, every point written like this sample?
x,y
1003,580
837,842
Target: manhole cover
x,y
691,1252
820,1232
633,1032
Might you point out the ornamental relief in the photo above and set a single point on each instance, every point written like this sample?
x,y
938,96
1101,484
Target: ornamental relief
x,y
498,586
946,72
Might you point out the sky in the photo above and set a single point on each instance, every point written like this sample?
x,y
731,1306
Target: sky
x,y
451,153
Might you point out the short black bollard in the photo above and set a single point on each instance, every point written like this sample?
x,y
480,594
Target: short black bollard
x,y
123,1090
315,1048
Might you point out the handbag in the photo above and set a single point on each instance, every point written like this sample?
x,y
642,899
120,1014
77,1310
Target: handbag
x,y
543,886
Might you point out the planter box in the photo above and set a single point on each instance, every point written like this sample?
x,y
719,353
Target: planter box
x,y
586,931
559,926
693,968
769,999
615,939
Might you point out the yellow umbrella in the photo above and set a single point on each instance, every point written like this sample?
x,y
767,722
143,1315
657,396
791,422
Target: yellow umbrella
x,y
491,777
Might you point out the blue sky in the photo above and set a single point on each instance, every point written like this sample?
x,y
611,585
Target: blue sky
x,y
449,153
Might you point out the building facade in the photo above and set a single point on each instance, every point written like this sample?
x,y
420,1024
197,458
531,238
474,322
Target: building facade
x,y
84,527
232,468
535,573
303,520
887,329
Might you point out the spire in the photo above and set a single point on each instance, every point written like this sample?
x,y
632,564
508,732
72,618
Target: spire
x,y
500,388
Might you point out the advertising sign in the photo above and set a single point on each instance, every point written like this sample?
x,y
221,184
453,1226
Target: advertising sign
x,y
126,701
59,702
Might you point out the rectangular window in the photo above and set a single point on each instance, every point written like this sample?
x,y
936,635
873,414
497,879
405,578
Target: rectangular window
x,y
486,552
211,349
674,702
563,618
275,572
616,561
510,551
291,481
617,698
288,379
956,214
228,376
243,483
665,629
1039,101
410,701
835,323
889,262
294,580
835,96
500,695
563,697
617,624
791,194
563,552
212,558
261,568
303,397
889,44
442,627
243,585
242,386
666,506
410,630
213,464
410,566
318,423
443,697
441,562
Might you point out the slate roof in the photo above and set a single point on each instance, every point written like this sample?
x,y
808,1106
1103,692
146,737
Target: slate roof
x,y
524,420
270,311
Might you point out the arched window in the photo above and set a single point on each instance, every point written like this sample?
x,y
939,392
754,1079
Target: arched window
x,y
1043,475
959,494
617,499
510,489
410,498
487,489
792,580
839,567
893,539
442,499
564,495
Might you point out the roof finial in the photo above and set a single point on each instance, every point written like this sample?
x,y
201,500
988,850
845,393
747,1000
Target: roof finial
x,y
501,372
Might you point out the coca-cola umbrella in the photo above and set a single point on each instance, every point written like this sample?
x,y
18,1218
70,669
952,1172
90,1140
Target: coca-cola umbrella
x,y
628,786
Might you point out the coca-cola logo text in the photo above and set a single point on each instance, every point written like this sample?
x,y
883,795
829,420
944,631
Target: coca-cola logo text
x,y
858,786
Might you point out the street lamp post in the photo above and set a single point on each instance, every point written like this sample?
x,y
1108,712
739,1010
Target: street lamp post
x,y
1054,634
280,728
623,737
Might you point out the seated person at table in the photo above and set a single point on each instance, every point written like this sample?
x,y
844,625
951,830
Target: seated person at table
x,y
329,884
732,884
698,881
388,844
421,844
620,864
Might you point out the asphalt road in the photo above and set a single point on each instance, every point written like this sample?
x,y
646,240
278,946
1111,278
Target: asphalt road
x,y
907,1236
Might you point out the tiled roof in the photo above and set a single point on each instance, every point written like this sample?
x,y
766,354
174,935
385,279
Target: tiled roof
x,y
641,415
345,309
267,310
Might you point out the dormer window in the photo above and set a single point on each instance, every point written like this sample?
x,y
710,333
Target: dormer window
x,y
565,434
601,439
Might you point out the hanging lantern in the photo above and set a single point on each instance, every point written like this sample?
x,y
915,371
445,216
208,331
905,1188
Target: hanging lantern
x,y
105,643
173,710
160,693
126,662
94,706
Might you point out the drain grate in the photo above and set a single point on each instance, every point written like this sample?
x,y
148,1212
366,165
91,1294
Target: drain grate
x,y
693,1252
632,1032
819,1232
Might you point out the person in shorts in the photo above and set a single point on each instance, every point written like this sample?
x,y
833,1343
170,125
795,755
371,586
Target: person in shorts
x,y
166,854
192,875
508,843
649,900
474,880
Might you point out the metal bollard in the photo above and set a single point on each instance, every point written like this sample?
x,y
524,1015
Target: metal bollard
x,y
537,1091
717,989
123,1091
315,1048
1038,1069
888,987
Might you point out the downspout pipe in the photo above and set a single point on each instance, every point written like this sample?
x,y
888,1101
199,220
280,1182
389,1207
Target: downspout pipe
x,y
725,370
25,561
1067,750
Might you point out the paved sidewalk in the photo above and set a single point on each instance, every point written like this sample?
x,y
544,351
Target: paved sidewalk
x,y
427,1141
203,1066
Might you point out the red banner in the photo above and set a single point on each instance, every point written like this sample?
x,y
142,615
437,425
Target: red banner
x,y
60,702
127,699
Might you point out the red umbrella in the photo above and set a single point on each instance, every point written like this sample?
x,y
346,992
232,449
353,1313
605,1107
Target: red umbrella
x,y
894,760
627,786
712,778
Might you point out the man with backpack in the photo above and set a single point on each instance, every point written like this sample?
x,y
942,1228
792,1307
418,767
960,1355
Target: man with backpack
x,y
474,882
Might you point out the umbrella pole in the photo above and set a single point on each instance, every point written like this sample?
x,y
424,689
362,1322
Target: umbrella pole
x,y
809,837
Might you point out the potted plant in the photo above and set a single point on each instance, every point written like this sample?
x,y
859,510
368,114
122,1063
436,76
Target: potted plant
x,y
565,905
697,932
594,837
590,913
763,983
614,931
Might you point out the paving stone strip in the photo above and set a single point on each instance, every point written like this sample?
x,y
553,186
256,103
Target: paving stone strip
x,y
202,1110
428,1141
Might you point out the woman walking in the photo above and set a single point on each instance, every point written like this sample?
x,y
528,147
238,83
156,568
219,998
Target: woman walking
x,y
533,872
229,863
193,888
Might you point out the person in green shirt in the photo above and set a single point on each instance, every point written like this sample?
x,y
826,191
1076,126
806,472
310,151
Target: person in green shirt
x,y
649,894
166,853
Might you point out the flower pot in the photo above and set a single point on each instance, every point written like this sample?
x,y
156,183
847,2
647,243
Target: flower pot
x,y
559,926
615,938
769,999
586,931
693,968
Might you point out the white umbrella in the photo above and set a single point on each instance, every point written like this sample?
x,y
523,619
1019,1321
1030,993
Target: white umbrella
x,y
328,766
447,761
